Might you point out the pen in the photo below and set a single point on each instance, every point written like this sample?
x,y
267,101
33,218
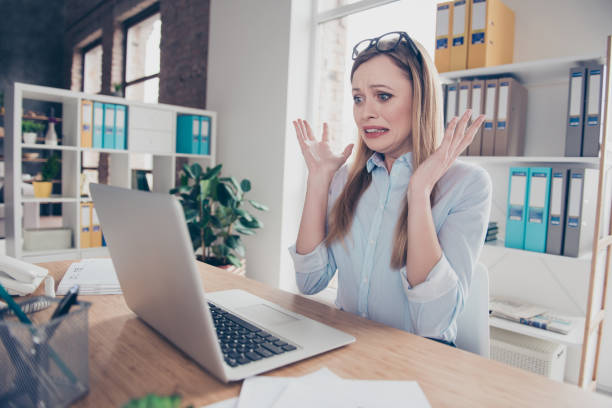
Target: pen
x,y
64,306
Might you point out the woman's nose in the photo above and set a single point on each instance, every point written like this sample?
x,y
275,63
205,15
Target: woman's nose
x,y
369,109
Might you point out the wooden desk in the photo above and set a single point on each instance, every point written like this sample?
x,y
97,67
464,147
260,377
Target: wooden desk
x,y
128,359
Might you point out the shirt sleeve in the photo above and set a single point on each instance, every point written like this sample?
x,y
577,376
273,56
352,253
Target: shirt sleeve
x,y
436,302
314,270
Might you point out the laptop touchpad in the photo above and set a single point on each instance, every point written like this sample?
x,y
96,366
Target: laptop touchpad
x,y
265,315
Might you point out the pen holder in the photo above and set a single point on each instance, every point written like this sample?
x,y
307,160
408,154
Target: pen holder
x,y
44,364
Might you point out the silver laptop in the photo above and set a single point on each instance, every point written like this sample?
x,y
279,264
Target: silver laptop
x,y
232,334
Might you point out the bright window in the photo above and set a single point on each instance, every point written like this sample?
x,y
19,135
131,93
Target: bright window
x,y
92,68
143,37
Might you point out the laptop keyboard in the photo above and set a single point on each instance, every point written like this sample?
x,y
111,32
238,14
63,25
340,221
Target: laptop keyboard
x,y
241,342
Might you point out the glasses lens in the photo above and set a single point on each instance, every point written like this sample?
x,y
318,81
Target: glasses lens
x,y
360,47
388,42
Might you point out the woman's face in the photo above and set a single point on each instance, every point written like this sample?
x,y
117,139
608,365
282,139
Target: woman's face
x,y
382,108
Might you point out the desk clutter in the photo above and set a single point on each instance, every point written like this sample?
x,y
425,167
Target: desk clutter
x,y
43,351
323,388
530,315
95,276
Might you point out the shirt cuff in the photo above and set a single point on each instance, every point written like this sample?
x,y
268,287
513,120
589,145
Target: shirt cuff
x,y
440,280
314,260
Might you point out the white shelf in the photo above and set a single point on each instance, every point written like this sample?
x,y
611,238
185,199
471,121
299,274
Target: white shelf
x,y
588,161
193,156
573,338
48,147
51,199
548,70
499,246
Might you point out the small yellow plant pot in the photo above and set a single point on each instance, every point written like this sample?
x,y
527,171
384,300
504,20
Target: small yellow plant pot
x,y
42,189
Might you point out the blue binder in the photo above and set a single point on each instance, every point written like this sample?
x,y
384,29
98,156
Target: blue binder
x,y
518,191
537,209
120,127
98,125
187,134
204,142
108,140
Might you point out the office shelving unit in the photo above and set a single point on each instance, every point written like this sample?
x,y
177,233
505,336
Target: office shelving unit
x,y
151,129
569,286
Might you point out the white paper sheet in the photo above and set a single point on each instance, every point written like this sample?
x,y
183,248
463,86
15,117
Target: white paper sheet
x,y
94,276
263,391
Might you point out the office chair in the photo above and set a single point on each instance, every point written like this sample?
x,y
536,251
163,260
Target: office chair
x,y
473,322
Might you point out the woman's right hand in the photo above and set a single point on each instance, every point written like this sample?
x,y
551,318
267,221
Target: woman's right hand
x,y
320,159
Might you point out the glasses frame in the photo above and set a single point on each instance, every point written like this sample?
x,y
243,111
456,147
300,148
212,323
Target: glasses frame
x,y
373,42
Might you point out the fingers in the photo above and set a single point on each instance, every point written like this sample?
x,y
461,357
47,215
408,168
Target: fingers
x,y
460,128
325,136
470,133
309,134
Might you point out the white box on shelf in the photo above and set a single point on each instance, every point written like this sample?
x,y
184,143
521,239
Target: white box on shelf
x,y
539,356
47,239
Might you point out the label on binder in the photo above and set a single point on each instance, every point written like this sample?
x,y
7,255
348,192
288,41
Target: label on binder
x,y
457,41
592,120
501,125
574,121
442,43
478,38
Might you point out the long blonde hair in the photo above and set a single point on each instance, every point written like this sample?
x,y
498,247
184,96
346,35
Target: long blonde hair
x,y
427,131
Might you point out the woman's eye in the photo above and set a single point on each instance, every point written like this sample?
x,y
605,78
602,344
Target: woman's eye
x,y
357,99
383,96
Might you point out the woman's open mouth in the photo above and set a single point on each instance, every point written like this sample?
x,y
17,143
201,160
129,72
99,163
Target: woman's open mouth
x,y
372,132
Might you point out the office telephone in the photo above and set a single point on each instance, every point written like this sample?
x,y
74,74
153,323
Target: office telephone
x,y
19,277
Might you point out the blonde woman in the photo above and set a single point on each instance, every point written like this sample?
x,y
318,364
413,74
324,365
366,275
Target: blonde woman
x,y
404,224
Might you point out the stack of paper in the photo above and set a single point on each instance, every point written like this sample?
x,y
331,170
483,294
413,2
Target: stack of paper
x,y
530,315
325,389
94,277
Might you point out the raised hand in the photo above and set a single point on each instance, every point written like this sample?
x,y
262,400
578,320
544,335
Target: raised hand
x,y
320,159
456,139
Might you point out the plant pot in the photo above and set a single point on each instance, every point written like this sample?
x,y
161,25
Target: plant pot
x,y
42,189
29,137
230,268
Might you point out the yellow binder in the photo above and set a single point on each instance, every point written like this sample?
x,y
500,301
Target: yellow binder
x,y
86,123
96,230
444,27
491,34
85,225
461,25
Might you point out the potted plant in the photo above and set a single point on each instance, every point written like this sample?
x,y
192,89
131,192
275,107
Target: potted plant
x,y
215,214
118,89
30,130
50,170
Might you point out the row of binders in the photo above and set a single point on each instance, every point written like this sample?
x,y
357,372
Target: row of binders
x,y
585,103
503,101
91,232
193,134
552,210
103,125
473,34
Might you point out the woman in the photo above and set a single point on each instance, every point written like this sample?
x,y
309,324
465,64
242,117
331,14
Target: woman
x,y
405,222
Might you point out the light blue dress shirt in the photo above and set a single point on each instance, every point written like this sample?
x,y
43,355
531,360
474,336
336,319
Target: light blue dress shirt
x,y
367,285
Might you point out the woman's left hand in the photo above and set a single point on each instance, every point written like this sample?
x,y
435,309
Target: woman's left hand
x,y
456,139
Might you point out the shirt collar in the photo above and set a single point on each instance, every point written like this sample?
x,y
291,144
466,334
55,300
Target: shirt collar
x,y
377,160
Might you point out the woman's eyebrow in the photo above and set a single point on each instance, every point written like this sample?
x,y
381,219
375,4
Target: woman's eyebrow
x,y
375,86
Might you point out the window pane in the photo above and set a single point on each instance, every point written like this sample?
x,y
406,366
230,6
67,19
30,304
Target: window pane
x,y
92,70
142,54
146,91
336,39
324,5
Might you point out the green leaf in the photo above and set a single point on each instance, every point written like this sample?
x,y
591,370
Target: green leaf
x,y
258,206
196,170
244,231
204,189
225,195
215,221
188,171
209,236
244,214
246,185
221,250
253,223
190,214
233,182
214,172
233,241
234,260
173,191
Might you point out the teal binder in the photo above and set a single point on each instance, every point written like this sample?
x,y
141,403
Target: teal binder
x,y
187,134
204,141
536,226
518,191
120,126
108,140
98,125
